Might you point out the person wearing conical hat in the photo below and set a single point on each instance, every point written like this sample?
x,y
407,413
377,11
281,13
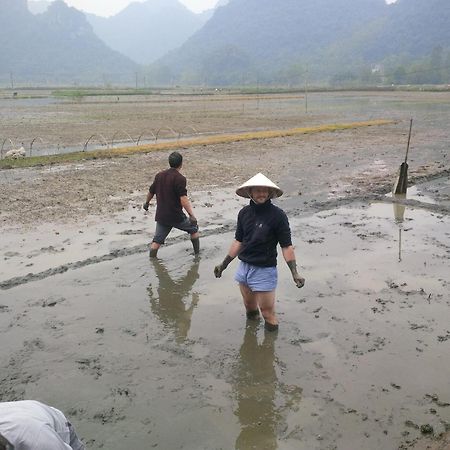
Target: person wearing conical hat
x,y
261,226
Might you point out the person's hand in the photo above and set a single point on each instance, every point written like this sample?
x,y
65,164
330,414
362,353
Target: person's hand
x,y
222,266
193,220
298,280
146,205
218,270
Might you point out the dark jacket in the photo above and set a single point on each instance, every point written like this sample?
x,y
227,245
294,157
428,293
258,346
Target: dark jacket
x,y
260,228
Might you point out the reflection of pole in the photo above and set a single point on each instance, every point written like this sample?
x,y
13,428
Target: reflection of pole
x,y
399,216
399,208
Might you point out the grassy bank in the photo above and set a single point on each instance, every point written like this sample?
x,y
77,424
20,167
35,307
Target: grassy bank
x,y
63,158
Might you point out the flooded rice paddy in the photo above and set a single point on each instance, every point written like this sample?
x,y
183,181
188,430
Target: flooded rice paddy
x,y
158,354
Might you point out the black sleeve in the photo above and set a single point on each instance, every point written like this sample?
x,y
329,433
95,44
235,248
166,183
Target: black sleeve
x,y
239,234
284,231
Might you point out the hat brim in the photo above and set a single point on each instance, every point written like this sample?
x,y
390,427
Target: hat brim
x,y
259,180
244,191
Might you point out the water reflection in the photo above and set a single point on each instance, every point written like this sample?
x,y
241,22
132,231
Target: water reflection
x,y
170,304
399,216
254,386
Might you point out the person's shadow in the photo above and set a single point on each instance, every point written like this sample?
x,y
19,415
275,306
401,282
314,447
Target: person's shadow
x,y
170,303
255,387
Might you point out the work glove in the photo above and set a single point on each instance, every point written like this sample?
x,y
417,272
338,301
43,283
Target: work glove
x,y
298,280
221,267
146,205
218,270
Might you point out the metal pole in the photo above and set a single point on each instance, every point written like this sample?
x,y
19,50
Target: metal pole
x,y
409,139
306,91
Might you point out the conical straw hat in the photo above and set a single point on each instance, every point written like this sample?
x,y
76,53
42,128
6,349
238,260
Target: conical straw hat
x,y
259,180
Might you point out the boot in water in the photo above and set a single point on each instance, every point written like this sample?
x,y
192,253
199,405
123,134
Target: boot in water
x,y
196,245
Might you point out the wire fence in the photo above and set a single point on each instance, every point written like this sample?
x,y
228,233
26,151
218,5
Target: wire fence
x,y
39,146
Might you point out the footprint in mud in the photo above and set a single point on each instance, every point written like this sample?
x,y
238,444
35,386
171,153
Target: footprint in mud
x,y
4,308
47,302
109,416
50,249
9,255
15,376
57,326
131,232
129,332
301,340
382,306
372,343
318,240
444,338
91,365
122,392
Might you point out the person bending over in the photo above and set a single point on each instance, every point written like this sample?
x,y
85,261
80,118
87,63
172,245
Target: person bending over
x,y
32,425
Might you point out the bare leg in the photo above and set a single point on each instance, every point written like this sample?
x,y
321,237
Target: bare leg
x,y
250,302
266,303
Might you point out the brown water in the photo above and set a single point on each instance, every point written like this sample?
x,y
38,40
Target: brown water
x,y
158,354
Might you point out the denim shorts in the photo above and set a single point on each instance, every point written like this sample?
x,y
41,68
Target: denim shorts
x,y
258,279
163,230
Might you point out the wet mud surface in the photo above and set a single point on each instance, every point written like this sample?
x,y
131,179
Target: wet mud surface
x,y
158,354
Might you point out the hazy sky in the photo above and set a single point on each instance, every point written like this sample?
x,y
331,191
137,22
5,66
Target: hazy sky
x,y
111,7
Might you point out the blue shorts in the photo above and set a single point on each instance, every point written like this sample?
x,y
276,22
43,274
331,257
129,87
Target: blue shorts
x,y
163,230
258,279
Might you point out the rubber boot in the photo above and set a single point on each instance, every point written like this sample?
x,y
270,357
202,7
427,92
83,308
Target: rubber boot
x,y
271,326
196,245
252,315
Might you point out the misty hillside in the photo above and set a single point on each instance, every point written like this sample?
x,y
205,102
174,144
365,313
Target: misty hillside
x,y
38,7
275,41
146,31
414,27
58,46
245,42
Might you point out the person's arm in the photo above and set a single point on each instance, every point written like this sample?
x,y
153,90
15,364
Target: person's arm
x,y
289,257
232,253
149,199
186,204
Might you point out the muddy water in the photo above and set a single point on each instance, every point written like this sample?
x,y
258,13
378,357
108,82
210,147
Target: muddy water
x,y
158,354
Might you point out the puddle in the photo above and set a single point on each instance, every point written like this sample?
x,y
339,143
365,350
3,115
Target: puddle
x,y
415,193
159,354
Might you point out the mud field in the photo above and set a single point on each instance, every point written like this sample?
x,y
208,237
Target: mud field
x,y
157,354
